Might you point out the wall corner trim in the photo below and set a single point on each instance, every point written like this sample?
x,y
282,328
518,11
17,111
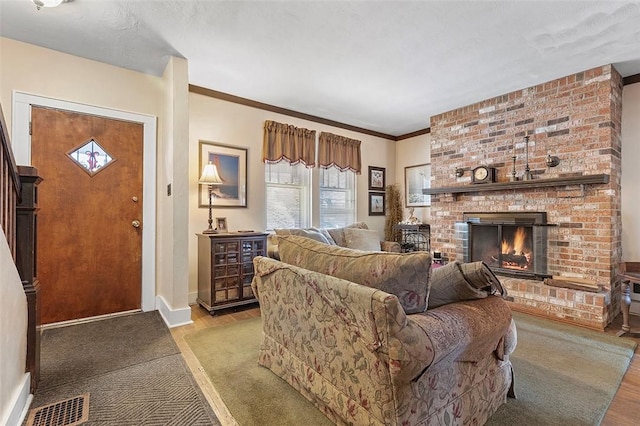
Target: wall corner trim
x,y
173,317
19,407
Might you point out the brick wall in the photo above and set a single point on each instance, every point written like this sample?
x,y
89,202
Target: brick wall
x,y
576,118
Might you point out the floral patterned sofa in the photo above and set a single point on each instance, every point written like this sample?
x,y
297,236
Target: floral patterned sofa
x,y
352,331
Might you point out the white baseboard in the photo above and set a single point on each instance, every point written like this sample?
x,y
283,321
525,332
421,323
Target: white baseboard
x,y
173,317
193,296
20,405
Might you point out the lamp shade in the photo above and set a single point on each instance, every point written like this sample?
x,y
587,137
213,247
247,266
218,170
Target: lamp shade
x,y
210,175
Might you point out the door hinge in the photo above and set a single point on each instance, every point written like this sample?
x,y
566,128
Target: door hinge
x,y
30,128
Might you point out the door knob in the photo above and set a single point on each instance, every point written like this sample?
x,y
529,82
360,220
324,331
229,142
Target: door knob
x,y
135,224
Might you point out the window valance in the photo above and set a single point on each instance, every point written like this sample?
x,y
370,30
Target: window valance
x,y
339,151
287,142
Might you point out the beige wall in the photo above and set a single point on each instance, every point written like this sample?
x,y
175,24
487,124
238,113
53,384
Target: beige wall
x,y
45,72
630,173
227,123
412,152
13,332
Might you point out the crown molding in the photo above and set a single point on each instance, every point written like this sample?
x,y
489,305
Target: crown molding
x,y
272,108
631,79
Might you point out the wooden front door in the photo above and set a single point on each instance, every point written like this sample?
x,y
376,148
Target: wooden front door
x,y
89,245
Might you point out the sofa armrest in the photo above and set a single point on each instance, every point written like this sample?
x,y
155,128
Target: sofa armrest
x,y
469,330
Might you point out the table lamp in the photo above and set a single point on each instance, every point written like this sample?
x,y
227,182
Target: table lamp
x,y
210,177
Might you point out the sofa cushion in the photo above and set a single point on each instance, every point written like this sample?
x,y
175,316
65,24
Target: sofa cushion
x,y
362,239
455,282
338,233
314,234
405,275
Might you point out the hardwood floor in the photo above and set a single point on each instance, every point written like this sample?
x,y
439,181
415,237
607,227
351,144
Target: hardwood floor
x,y
625,407
202,319
623,410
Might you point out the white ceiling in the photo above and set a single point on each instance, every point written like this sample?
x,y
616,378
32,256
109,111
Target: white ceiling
x,y
386,66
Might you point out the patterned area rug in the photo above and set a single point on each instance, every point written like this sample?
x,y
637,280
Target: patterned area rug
x,y
131,368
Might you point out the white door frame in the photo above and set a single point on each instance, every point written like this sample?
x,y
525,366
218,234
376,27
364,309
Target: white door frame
x,y
21,144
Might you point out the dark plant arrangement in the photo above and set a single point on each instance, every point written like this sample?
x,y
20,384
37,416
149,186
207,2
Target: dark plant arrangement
x,y
393,213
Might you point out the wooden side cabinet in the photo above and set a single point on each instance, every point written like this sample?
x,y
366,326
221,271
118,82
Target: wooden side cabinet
x,y
225,268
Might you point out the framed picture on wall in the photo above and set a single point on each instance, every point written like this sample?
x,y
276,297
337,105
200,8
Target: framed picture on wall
x,y
231,162
376,178
376,204
417,178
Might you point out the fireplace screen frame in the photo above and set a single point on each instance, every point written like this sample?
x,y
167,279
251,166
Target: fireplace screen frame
x,y
536,221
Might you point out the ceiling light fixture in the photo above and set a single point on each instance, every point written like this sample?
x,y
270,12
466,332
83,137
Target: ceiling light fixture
x,y
47,3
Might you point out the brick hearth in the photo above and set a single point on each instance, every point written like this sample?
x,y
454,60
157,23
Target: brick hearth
x,y
576,118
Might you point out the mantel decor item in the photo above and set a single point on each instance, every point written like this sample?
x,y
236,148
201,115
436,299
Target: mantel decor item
x,y
211,178
417,178
552,160
376,178
483,174
513,177
527,171
231,163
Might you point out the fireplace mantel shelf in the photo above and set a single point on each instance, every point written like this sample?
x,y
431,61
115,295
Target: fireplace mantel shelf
x,y
521,184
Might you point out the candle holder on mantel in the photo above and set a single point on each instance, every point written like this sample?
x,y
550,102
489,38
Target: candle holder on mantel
x,y
513,177
527,172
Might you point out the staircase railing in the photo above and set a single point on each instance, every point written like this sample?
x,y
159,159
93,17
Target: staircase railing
x,y
10,187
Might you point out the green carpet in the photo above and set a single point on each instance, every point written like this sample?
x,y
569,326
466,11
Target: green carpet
x,y
564,375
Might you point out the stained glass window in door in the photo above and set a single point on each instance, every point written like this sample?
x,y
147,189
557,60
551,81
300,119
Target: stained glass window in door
x,y
91,157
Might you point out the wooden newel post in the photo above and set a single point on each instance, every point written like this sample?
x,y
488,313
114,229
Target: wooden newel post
x,y
26,233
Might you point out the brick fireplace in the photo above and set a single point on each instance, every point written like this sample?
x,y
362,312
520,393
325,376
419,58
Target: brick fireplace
x,y
576,118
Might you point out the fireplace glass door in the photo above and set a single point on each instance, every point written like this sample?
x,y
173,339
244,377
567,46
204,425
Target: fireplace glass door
x,y
510,243
504,247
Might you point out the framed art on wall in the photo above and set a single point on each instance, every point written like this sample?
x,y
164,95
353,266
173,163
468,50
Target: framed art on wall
x,y
416,178
231,162
376,178
376,204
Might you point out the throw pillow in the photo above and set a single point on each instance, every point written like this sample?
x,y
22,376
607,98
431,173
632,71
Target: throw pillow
x,y
314,234
449,285
338,233
362,239
479,275
326,235
405,275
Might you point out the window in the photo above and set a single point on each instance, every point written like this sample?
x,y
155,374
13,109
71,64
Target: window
x,y
287,195
337,198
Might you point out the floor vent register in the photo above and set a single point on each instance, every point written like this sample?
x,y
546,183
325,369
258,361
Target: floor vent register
x,y
69,412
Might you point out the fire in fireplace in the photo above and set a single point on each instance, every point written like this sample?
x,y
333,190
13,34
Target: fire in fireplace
x,y
515,249
510,243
